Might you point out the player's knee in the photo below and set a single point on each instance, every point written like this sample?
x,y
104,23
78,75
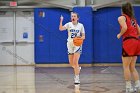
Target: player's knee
x,y
126,67
76,64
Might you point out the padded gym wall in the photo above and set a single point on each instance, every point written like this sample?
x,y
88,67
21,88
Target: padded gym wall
x,y
52,49
137,15
107,48
100,45
86,19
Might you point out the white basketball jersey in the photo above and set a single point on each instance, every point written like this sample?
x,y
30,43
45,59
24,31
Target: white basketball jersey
x,y
74,30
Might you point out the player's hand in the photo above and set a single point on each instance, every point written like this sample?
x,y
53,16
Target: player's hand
x,y
119,36
61,18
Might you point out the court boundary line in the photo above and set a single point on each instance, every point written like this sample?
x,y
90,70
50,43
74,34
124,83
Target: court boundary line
x,y
67,65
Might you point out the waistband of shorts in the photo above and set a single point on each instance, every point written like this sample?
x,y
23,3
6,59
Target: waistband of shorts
x,y
130,38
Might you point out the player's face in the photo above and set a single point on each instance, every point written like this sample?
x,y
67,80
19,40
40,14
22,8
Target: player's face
x,y
74,17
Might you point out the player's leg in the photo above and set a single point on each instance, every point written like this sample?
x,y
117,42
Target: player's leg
x,y
71,60
70,54
127,73
135,73
76,67
77,53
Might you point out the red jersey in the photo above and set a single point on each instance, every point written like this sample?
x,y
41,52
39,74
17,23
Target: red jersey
x,y
132,30
131,42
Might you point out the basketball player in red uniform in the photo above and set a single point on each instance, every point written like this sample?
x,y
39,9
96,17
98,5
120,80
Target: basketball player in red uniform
x,y
130,32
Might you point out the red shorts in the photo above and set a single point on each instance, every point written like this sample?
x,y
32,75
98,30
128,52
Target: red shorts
x,y
131,47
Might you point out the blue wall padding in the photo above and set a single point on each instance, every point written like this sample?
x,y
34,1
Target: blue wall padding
x,y
41,48
86,19
106,46
53,48
58,40
137,15
100,46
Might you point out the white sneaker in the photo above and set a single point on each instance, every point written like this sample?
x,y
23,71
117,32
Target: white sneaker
x,y
76,80
129,90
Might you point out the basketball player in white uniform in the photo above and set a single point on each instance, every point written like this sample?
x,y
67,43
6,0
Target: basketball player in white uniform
x,y
75,29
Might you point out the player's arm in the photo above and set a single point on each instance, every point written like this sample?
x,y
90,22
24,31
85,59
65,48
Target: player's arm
x,y
138,29
61,27
122,23
83,36
83,32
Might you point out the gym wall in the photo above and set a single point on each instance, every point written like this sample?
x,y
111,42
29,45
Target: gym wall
x,y
107,48
51,47
100,45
